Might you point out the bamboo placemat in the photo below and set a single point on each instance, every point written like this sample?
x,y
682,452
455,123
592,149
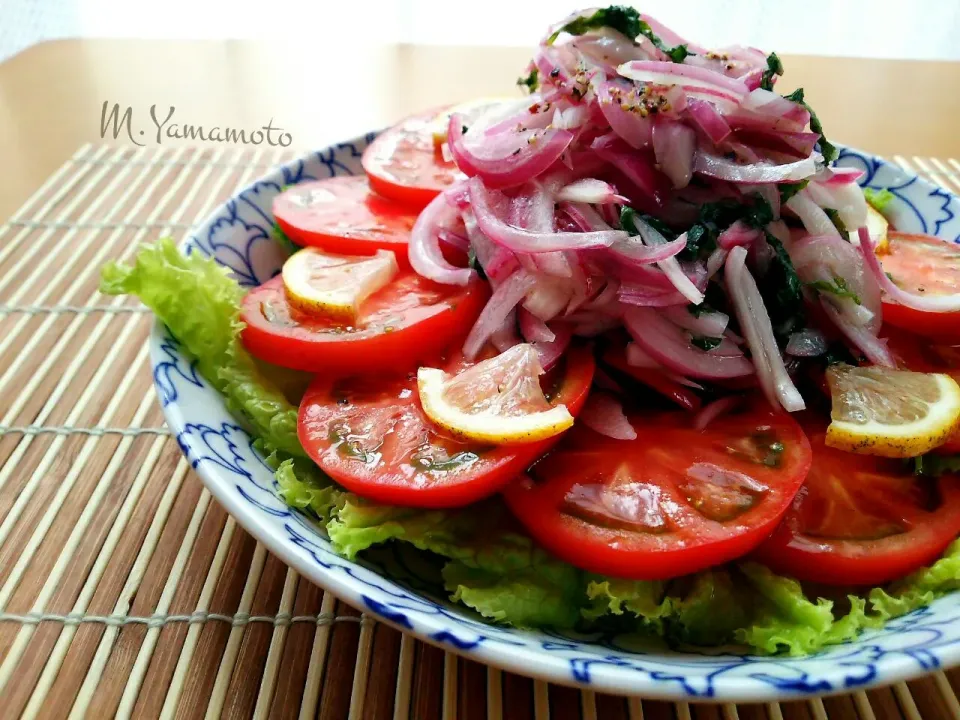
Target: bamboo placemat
x,y
124,590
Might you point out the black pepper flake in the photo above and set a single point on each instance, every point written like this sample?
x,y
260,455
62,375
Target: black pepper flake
x,y
555,72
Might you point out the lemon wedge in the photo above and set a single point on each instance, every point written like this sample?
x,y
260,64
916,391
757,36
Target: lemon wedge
x,y
877,227
497,401
891,413
470,108
335,286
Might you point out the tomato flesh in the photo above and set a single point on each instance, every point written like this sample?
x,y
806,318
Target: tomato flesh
x,y
673,501
409,320
404,163
371,436
862,520
342,215
922,264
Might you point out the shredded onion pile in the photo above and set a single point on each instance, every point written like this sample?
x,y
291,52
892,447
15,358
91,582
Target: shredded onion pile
x,y
614,123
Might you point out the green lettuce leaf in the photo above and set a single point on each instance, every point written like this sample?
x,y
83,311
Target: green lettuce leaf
x,y
197,299
878,199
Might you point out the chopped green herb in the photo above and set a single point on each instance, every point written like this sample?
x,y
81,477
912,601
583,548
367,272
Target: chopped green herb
x,y
475,263
828,150
838,287
878,199
628,222
625,20
837,222
788,190
531,81
676,54
347,447
934,465
774,67
782,292
705,342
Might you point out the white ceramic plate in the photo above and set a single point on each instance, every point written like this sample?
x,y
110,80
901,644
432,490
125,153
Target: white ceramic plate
x,y
387,583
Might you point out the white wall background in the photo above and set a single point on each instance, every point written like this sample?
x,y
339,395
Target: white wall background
x,y
921,29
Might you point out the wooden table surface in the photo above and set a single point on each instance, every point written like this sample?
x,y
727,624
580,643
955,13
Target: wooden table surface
x,y
51,95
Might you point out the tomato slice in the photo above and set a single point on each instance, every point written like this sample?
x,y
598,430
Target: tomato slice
x,y
408,320
342,215
673,501
371,436
922,264
862,520
404,163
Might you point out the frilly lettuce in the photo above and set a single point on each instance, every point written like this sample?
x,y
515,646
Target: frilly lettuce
x,y
489,564
198,300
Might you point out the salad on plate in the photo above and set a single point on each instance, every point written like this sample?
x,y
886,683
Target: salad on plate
x,y
627,352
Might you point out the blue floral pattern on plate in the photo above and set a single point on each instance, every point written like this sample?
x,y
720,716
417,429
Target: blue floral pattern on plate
x,y
400,587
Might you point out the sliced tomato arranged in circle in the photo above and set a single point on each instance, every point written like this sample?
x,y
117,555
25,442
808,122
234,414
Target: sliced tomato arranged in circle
x,y
409,320
673,501
343,215
862,520
372,437
405,164
925,265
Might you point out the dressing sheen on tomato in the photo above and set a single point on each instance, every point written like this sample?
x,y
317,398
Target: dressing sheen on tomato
x,y
342,215
405,164
922,264
862,520
673,501
372,437
409,320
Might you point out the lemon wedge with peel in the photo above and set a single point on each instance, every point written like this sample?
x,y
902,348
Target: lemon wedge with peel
x,y
891,413
498,401
335,286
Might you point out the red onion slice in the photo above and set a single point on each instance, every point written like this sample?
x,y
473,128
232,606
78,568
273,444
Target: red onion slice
x,y
710,120
632,127
708,323
533,328
590,190
670,346
814,219
924,303
722,168
633,250
758,330
869,344
604,414
424,252
505,336
525,154
504,299
738,234
687,76
489,207
671,268
551,351
674,145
